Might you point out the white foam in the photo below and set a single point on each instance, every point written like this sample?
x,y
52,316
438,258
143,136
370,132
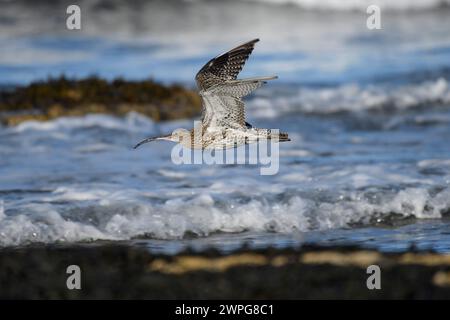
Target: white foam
x,y
45,226
434,163
133,121
353,98
2,209
205,214
360,5
172,173
73,194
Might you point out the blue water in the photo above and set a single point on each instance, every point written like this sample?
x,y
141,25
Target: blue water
x,y
367,111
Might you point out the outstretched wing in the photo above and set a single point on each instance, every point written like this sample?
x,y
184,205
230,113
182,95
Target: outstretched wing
x,y
222,93
223,106
225,66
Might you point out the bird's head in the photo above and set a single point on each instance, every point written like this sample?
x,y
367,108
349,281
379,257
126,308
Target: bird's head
x,y
178,135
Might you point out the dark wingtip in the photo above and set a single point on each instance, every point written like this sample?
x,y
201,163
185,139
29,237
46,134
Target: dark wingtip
x,y
254,41
251,42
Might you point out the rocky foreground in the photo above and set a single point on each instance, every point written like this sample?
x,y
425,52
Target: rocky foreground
x,y
54,98
121,272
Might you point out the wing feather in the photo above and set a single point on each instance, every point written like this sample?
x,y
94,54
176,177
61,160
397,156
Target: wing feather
x,y
223,112
240,88
224,67
221,93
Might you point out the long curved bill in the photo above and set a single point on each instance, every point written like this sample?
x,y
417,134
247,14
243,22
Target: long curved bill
x,y
145,141
167,137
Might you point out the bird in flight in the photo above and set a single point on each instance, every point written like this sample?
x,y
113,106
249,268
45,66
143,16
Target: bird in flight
x,y
223,123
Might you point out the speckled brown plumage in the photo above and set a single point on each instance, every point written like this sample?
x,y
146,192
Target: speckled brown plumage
x,y
224,67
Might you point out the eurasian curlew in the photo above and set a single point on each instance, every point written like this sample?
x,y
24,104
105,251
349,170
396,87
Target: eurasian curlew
x,y
223,122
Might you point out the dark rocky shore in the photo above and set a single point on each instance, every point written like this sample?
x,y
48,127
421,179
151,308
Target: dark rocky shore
x,y
54,98
122,272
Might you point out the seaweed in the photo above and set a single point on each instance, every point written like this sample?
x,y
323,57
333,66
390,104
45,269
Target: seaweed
x,y
56,97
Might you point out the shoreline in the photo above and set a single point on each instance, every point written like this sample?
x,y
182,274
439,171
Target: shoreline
x,y
310,272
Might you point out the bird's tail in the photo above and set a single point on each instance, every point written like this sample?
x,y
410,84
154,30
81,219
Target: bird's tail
x,y
278,137
282,137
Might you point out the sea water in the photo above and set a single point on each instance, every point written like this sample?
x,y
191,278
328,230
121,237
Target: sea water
x,y
367,112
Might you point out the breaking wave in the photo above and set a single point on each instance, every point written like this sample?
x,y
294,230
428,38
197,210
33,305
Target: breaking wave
x,y
352,98
121,216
